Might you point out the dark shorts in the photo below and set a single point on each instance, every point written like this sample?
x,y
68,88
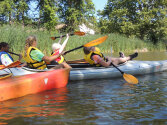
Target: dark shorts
x,y
54,63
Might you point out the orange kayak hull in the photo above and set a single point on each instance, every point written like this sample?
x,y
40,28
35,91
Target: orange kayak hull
x,y
15,87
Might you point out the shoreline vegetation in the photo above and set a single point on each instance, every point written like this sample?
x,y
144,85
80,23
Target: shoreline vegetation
x,y
16,36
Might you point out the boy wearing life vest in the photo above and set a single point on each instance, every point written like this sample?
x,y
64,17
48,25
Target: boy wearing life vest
x,y
5,58
57,48
94,57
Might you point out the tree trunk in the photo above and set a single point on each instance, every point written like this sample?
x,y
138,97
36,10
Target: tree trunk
x,y
10,19
23,22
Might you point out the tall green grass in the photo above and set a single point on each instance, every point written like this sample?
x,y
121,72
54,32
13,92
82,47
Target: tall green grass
x,y
16,36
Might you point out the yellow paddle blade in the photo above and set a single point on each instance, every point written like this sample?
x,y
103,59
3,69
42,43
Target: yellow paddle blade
x,y
79,33
96,41
4,76
14,64
2,66
130,79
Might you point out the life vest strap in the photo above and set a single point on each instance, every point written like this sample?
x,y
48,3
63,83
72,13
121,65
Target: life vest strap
x,y
31,65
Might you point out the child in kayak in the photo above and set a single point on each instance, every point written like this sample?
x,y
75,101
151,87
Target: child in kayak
x,y
5,58
96,58
57,48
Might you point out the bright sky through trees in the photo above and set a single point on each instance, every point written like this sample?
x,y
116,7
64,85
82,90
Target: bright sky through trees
x,y
99,4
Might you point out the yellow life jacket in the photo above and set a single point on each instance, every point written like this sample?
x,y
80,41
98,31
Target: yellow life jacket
x,y
33,63
62,59
59,59
97,49
88,57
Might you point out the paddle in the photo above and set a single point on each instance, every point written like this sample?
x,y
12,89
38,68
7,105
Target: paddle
x,y
13,53
91,43
129,78
14,64
79,33
4,76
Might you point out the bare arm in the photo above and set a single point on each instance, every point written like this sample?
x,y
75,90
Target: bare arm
x,y
50,58
60,39
20,57
64,43
104,63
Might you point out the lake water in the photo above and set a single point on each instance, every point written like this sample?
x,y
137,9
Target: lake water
x,y
95,102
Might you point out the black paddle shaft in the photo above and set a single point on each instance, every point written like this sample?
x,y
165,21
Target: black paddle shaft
x,y
73,49
14,53
63,36
117,68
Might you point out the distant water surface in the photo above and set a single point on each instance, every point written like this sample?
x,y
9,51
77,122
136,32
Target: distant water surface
x,y
95,102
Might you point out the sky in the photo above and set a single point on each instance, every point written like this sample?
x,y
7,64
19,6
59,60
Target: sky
x,y
99,4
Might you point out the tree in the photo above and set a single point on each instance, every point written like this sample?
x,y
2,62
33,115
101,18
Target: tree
x,y
143,18
21,8
14,11
151,19
74,12
47,13
6,9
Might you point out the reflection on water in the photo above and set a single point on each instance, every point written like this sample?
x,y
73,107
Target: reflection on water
x,y
118,103
94,102
49,103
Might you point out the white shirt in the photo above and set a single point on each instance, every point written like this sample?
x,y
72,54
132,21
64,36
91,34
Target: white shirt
x,y
5,59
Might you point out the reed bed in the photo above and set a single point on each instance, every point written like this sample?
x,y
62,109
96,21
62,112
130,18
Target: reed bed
x,y
16,36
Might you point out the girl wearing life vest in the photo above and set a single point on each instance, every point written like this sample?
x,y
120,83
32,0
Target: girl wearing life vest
x,y
5,58
94,57
57,48
34,57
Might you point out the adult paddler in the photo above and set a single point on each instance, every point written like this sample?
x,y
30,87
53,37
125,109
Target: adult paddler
x,y
35,58
94,57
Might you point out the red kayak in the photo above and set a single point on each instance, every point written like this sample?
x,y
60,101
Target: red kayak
x,y
15,87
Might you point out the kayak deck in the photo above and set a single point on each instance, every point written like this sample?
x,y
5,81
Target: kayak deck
x,y
15,87
82,70
131,67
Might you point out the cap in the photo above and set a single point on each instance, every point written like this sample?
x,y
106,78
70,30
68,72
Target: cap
x,y
56,46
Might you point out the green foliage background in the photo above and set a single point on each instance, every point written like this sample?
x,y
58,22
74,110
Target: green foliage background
x,y
130,24
16,36
145,19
